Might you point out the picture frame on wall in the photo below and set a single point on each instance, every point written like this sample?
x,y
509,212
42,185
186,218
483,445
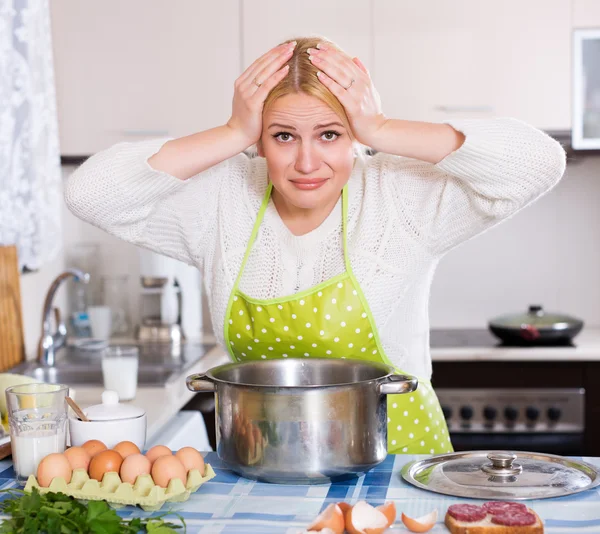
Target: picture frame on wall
x,y
585,133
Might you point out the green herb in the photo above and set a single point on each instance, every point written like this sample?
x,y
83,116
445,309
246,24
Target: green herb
x,y
57,513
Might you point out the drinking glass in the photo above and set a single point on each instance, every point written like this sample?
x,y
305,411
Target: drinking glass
x,y
120,370
37,418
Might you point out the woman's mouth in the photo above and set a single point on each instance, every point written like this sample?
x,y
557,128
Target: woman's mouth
x,y
306,184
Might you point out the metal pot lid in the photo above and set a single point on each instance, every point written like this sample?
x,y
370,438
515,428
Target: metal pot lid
x,y
504,475
536,316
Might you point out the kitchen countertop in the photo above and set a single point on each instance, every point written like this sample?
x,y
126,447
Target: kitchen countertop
x,y
229,504
587,348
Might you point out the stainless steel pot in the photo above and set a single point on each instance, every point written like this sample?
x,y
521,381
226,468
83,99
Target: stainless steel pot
x,y
295,421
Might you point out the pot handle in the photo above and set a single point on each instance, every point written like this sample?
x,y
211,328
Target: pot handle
x,y
199,382
396,384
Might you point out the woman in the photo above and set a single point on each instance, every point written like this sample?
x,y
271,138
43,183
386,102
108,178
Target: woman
x,y
311,250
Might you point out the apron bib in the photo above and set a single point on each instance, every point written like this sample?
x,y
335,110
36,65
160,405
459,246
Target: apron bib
x,y
327,321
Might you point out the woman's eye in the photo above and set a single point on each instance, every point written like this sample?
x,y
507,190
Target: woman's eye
x,y
330,136
283,137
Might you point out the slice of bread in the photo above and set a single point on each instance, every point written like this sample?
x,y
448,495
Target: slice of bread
x,y
487,526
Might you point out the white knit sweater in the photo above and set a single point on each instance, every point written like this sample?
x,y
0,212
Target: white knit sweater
x,y
403,215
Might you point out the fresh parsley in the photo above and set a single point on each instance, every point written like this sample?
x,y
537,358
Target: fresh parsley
x,y
57,513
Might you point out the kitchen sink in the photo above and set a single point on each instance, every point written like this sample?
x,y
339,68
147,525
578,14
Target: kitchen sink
x,y
158,365
92,376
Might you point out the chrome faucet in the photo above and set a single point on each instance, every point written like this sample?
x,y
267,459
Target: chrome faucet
x,y
51,342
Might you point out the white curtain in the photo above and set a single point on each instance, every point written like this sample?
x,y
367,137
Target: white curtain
x,y
30,173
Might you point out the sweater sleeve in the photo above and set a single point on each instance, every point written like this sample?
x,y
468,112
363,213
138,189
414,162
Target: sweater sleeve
x,y
503,165
118,191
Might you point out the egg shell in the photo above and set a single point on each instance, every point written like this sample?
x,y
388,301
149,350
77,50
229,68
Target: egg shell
x,y
105,462
191,459
363,518
94,446
55,465
166,468
158,451
78,457
133,466
126,448
420,524
388,510
332,518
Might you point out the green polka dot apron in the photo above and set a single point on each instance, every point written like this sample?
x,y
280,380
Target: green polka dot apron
x,y
331,320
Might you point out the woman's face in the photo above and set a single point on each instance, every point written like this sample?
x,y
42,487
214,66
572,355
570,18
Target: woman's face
x,y
308,150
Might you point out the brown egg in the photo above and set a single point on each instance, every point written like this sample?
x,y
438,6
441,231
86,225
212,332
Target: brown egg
x,y
94,446
157,451
167,468
126,448
53,466
78,457
133,466
191,459
105,462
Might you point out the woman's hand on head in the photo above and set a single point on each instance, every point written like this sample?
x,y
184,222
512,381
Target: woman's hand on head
x,y
349,80
251,90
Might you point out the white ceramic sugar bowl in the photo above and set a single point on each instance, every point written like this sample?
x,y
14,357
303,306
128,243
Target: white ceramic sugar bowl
x,y
110,422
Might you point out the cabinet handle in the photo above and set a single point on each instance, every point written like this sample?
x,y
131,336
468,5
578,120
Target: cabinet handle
x,y
464,109
148,133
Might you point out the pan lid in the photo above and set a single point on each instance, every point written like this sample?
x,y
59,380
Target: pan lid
x,y
504,475
536,317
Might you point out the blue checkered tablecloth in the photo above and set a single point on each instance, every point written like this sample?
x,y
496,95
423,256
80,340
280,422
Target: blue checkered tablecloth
x,y
229,504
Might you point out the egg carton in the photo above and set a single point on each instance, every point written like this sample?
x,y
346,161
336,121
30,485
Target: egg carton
x,y
143,492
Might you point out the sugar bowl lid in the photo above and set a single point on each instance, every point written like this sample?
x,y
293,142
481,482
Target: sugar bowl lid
x,y
112,410
504,475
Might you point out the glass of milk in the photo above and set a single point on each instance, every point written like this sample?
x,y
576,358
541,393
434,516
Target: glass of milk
x,y
120,370
37,417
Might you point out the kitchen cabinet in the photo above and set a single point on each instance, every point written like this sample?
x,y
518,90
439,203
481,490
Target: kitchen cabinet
x,y
268,22
133,70
437,60
586,13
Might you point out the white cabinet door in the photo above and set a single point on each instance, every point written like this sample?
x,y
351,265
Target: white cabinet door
x,y
586,13
269,22
436,60
132,70
532,78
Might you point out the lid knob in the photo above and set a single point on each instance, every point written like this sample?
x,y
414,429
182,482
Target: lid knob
x,y
536,309
502,465
110,397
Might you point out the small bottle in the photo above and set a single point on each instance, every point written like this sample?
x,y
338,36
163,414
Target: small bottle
x,y
80,321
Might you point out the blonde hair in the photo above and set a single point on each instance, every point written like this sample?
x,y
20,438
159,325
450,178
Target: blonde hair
x,y
302,78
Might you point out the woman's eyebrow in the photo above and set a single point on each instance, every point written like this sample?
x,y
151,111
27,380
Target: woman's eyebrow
x,y
317,126
284,126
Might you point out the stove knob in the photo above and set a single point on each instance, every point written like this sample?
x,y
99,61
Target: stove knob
x,y
554,413
490,413
447,411
511,413
532,413
466,412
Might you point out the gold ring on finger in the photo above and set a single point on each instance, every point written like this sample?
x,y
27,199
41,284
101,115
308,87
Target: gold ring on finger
x,y
256,82
350,85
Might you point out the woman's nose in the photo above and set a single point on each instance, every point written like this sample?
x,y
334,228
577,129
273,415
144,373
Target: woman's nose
x,y
307,160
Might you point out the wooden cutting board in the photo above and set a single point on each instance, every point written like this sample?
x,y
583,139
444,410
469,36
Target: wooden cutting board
x,y
12,341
